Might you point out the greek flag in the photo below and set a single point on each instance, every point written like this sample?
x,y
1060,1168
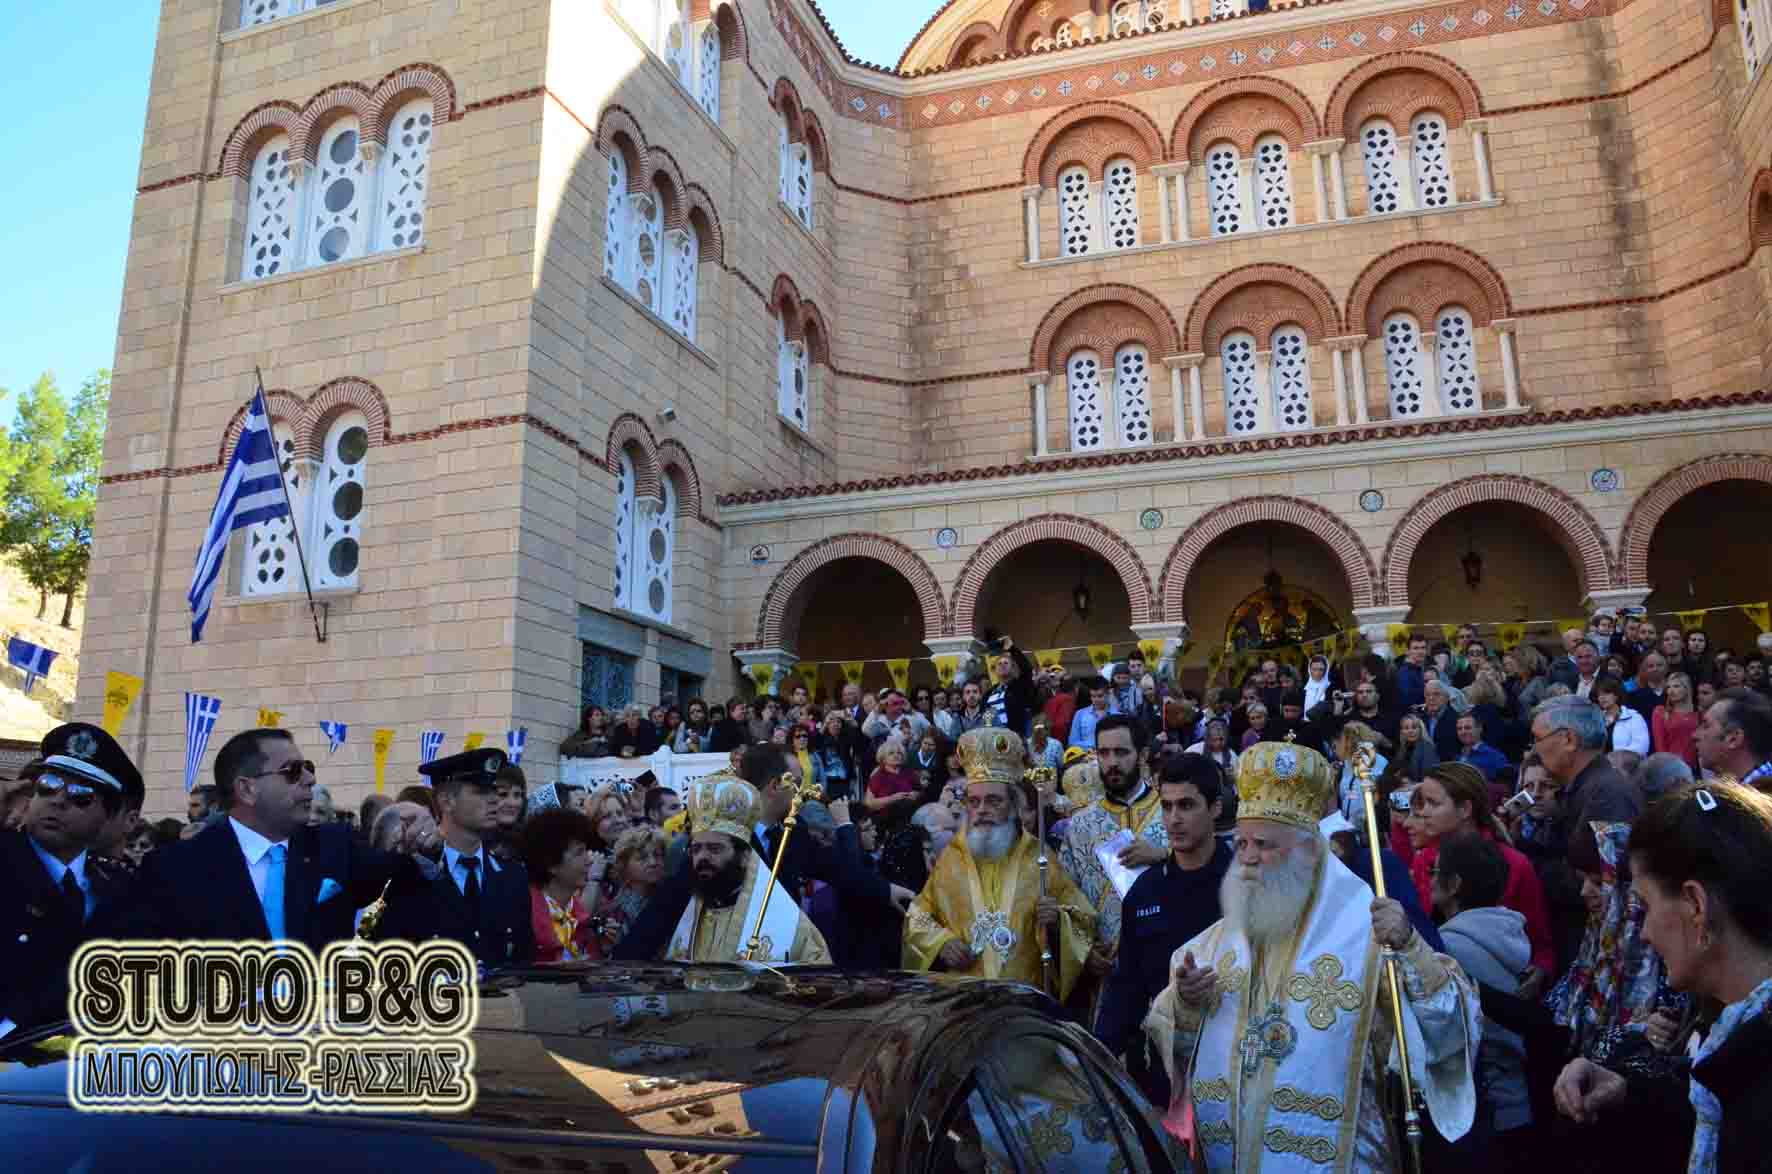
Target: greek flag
x,y
429,743
33,661
200,715
335,734
251,492
515,740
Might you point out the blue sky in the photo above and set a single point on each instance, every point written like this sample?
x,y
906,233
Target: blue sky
x,y
70,168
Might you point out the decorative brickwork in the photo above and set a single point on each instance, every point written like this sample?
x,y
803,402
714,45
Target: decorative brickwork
x,y
618,131
677,464
1759,210
629,433
662,170
1240,110
261,123
1401,103
308,419
403,84
1047,528
1646,514
1427,276
1257,298
1575,528
1113,308
1356,562
699,209
785,599
800,319
322,110
373,107
1090,134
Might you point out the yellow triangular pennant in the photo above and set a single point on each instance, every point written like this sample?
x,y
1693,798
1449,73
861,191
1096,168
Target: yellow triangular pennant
x,y
944,669
1511,635
474,741
1050,658
763,675
852,672
121,690
900,671
270,719
1101,655
1691,621
1398,636
1152,651
1760,614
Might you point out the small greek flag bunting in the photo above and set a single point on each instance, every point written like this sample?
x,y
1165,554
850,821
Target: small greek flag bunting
x,y
200,715
335,734
32,660
429,743
515,740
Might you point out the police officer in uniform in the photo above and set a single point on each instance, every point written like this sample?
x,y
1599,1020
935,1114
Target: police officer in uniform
x,y
474,899
50,887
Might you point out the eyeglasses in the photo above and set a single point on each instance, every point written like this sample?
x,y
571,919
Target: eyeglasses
x,y
1539,739
79,794
291,772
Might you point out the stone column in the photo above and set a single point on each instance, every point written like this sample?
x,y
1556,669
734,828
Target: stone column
x,y
1510,372
1406,173
1430,375
1173,635
1613,598
1170,175
1196,397
1176,414
1030,198
1184,202
1264,392
970,651
1338,181
1038,381
781,660
1338,367
1357,352
1479,128
1326,173
1246,192
1375,625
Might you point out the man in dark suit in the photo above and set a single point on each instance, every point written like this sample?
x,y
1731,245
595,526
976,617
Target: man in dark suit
x,y
261,874
50,890
1441,722
474,899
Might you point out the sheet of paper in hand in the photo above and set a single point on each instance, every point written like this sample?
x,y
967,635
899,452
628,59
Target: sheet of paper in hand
x,y
1108,854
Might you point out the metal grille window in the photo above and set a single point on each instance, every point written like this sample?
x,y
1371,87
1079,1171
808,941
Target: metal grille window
x,y
1273,182
1433,164
1458,361
1088,401
1378,144
1242,395
1291,378
1224,190
608,678
1403,366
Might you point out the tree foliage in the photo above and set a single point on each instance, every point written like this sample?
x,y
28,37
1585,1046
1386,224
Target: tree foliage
x,y
50,465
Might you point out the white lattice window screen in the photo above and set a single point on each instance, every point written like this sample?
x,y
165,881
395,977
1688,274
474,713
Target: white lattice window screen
x,y
1291,378
625,510
1126,18
271,214
1066,35
1076,213
261,11
677,45
802,182
1403,366
1433,163
1753,33
406,176
270,565
1227,7
708,87
336,548
682,265
1132,395
1459,389
1378,143
1224,194
787,161
792,375
1273,182
1088,401
339,201
655,542
1120,195
615,218
647,251
1242,395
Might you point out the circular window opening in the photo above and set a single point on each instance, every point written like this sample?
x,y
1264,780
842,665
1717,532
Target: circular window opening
x,y
347,503
655,595
353,445
343,559
339,195
333,245
344,147
657,546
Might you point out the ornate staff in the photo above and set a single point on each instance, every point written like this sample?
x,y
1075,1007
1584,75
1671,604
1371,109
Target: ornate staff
x,y
1364,758
1048,975
801,793
372,914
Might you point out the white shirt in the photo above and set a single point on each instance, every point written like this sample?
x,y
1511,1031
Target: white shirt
x,y
1314,693
452,862
257,851
1585,685
57,870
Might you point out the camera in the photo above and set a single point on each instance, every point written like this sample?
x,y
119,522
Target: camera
x,y
1518,803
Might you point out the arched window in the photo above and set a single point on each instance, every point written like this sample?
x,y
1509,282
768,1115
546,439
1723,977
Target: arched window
x,y
270,565
1242,394
338,503
1433,163
1378,143
1291,379
682,268
1751,17
405,176
1120,195
646,254
1224,190
1226,7
1459,389
625,511
792,378
1088,402
270,214
338,204
676,45
796,176
655,541
260,11
1132,395
615,218
708,90
1403,366
1273,182
1076,212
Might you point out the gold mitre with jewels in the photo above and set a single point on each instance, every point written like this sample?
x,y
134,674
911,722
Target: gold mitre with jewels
x,y
1283,783
723,803
991,755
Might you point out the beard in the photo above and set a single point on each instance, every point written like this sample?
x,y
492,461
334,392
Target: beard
x,y
1266,904
1119,783
991,843
720,888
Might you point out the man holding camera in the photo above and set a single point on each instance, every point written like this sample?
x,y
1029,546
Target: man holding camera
x,y
1012,700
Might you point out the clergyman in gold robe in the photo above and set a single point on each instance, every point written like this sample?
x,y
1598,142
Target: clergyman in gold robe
x,y
981,913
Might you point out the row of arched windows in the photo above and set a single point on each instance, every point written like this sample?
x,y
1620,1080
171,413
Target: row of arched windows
x,y
691,50
645,545
660,269
327,496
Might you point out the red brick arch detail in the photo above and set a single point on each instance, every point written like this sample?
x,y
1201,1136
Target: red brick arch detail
x,y
1722,13
1169,343
1652,506
320,111
1083,532
249,134
786,303
816,332
1233,89
1576,530
1144,133
332,400
981,30
676,463
1328,323
1356,561
1488,282
1463,86
614,121
817,143
1759,210
407,82
285,406
778,601
735,42
661,162
786,100
713,237
630,432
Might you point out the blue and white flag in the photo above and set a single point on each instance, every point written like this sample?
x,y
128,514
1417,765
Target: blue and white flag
x,y
32,660
335,734
200,715
515,740
251,493
429,742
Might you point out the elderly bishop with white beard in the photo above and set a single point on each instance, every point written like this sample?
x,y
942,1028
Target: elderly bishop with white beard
x,y
1278,1023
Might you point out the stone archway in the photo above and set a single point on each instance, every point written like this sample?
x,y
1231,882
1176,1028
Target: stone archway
x,y
787,591
1077,531
1349,551
1659,498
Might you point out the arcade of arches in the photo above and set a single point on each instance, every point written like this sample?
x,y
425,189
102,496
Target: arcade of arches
x,y
1712,541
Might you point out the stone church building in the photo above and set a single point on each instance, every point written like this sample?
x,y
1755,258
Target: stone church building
x,y
616,347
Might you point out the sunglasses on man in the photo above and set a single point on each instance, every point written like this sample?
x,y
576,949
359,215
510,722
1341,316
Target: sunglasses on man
x,y
292,772
80,795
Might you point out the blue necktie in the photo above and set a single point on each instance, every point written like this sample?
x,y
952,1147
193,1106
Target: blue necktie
x,y
273,899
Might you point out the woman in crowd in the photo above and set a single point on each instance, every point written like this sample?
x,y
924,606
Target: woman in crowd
x,y
1216,745
1523,676
635,737
591,740
832,751
1615,666
1454,798
1698,664
1488,698
1625,727
1536,830
693,735
1257,715
638,868
1416,754
893,790
800,754
1674,726
1317,683
610,814
556,853
923,702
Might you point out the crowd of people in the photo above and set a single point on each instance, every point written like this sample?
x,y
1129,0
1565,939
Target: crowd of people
x,y
1574,850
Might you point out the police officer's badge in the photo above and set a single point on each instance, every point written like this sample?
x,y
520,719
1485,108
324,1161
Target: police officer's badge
x,y
83,746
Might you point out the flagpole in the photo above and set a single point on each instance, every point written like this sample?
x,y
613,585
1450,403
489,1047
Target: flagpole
x,y
294,519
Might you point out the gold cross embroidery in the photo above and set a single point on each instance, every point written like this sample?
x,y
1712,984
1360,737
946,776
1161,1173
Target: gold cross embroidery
x,y
1321,990
1231,977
